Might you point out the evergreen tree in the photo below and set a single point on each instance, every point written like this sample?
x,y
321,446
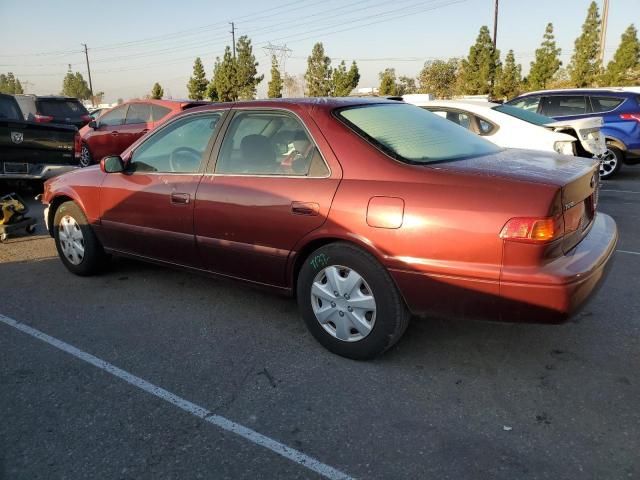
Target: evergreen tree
x,y
275,84
388,82
479,68
318,75
198,83
212,93
438,77
225,79
547,61
585,65
626,59
157,92
508,82
10,84
247,78
343,80
74,85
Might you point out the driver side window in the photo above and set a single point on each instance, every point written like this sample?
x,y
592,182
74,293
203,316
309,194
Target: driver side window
x,y
177,148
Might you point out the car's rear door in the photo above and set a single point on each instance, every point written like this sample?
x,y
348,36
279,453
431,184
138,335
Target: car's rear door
x,y
254,207
148,209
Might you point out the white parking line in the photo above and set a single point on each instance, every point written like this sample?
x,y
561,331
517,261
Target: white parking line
x,y
618,191
629,252
200,412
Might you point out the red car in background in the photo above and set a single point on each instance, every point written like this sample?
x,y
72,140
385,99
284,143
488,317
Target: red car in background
x,y
116,129
366,210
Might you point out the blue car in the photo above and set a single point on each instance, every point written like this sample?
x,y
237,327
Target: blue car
x,y
619,109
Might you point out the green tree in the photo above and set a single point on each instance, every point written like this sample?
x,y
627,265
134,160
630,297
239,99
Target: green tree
x,y
275,84
225,86
508,82
438,77
197,85
388,82
406,85
626,59
318,75
10,84
547,61
157,91
479,68
74,85
247,78
343,80
211,92
585,64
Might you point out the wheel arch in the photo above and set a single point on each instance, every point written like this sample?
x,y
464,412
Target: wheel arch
x,y
53,208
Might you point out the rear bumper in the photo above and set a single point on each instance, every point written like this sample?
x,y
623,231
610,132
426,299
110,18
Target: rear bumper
x,y
39,172
551,294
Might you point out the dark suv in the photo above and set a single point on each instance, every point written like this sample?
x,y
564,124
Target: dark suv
x,y
619,109
50,109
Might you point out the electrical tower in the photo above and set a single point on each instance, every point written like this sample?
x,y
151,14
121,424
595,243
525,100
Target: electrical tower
x,y
281,52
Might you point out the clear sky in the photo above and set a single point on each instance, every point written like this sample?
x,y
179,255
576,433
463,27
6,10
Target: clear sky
x,y
134,43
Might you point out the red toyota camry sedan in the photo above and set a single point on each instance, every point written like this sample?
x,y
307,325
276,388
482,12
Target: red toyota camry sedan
x,y
367,210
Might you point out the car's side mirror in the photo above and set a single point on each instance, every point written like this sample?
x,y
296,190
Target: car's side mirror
x,y
112,164
93,124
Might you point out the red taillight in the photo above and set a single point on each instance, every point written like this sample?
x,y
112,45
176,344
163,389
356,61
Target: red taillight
x,y
77,146
630,116
533,229
43,118
86,118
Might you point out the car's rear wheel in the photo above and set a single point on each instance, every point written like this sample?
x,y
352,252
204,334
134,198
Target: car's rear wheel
x,y
349,302
77,244
85,156
610,162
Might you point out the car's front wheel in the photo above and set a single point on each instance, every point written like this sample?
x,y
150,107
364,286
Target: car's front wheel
x,y
85,156
77,245
610,162
349,302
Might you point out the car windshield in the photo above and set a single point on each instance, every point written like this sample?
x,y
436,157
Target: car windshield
x,y
527,116
414,135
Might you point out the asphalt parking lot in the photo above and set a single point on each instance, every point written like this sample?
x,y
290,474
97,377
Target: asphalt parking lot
x,y
453,400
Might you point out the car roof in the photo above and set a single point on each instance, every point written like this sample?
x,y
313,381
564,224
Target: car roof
x,y
46,97
596,90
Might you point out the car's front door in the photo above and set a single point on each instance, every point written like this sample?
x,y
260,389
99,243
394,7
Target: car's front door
x,y
271,186
148,209
103,140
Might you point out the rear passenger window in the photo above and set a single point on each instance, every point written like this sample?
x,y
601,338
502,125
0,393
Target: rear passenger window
x,y
605,104
564,105
486,128
259,143
159,112
138,113
113,117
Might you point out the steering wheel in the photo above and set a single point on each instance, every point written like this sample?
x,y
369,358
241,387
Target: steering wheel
x,y
184,160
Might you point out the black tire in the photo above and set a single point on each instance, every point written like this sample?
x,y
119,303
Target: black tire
x,y
391,316
94,258
86,158
611,162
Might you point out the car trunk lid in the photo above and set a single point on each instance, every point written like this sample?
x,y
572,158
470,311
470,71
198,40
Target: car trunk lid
x,y
579,202
586,130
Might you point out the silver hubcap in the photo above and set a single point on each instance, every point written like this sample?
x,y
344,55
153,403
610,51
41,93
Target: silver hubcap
x,y
85,156
608,163
343,303
71,240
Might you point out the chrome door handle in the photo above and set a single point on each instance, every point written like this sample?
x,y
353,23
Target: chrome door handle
x,y
180,198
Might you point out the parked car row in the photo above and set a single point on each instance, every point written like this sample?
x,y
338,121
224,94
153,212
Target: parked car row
x,y
368,211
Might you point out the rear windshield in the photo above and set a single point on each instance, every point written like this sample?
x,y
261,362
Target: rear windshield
x,y
61,108
414,135
526,115
9,109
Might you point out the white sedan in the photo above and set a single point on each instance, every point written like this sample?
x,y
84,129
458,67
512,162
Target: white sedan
x,y
512,127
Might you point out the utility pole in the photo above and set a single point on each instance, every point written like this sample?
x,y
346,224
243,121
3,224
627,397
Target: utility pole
x,y
233,38
603,30
495,24
86,55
